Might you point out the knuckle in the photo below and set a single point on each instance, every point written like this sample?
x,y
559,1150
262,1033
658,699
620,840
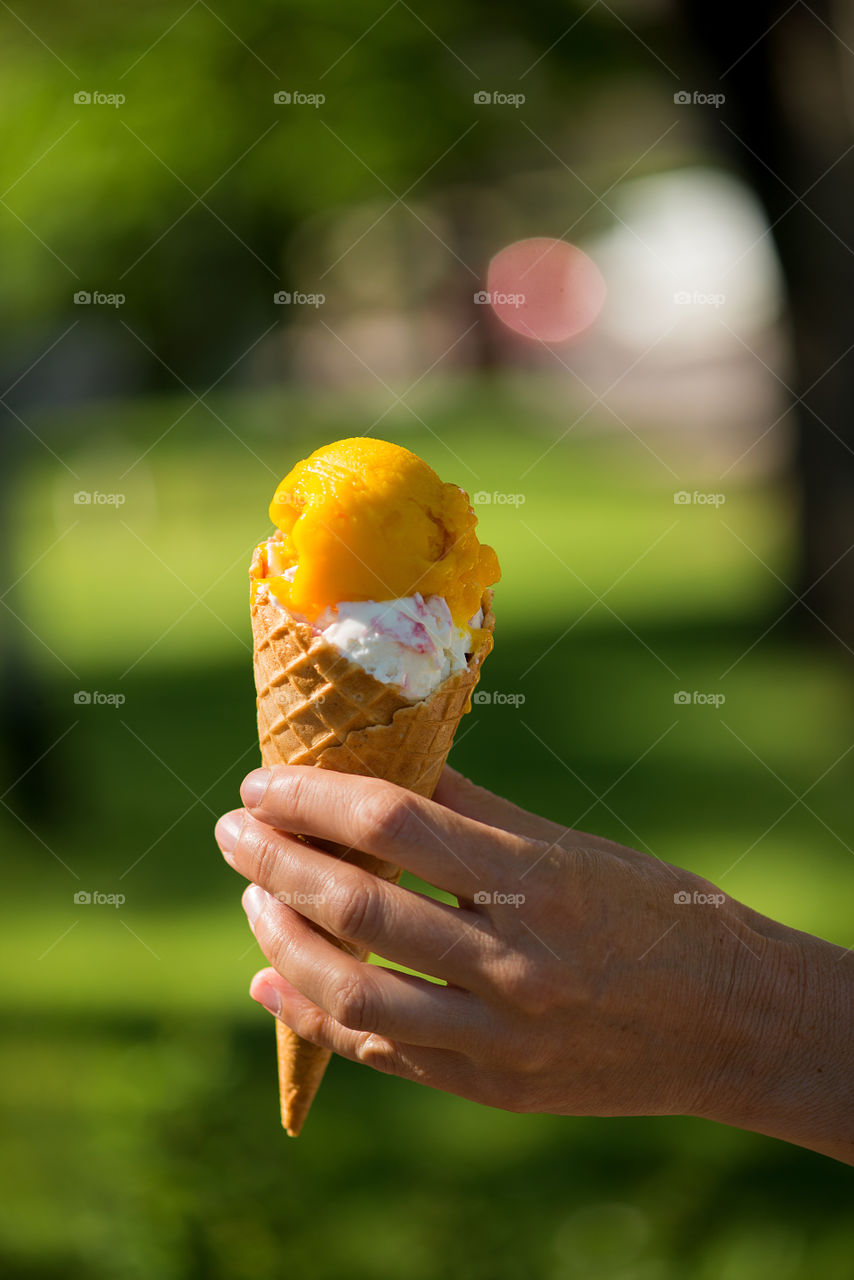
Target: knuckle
x,y
279,945
353,1004
526,985
313,1026
386,817
286,791
379,1053
262,848
560,868
485,954
353,911
557,872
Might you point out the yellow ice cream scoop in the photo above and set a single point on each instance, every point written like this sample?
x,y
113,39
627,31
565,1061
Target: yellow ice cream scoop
x,y
362,519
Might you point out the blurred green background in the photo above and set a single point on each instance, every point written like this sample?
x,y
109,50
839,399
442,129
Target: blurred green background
x,y
140,1133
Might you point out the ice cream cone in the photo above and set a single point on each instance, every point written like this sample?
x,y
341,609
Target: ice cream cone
x,y
315,707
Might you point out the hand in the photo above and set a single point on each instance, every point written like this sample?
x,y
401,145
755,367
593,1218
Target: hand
x,y
579,977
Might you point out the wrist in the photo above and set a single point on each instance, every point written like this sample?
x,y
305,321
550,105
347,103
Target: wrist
x,y
786,1067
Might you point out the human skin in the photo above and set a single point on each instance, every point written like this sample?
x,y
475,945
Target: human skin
x,y
601,992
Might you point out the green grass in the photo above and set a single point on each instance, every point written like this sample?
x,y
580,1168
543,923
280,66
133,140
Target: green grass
x,y
138,1079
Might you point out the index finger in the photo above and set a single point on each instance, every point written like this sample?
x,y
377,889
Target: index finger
x,y
447,850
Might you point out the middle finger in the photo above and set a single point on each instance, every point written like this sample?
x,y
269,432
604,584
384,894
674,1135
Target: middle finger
x,y
446,942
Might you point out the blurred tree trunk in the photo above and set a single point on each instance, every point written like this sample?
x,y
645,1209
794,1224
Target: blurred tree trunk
x,y
788,76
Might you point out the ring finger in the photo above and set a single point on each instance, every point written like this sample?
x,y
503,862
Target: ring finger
x,y
361,996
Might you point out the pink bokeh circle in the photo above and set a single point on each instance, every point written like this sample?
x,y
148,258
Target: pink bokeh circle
x,y
545,289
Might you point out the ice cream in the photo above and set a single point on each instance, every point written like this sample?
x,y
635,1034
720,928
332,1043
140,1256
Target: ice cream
x,y
411,642
381,557
371,619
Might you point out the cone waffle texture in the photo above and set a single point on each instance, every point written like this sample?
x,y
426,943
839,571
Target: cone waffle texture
x,y
315,707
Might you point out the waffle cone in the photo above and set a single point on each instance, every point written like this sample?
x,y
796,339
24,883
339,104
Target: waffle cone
x,y
315,707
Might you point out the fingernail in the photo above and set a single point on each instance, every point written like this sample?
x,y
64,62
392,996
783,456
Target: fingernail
x,y
254,786
227,830
254,901
268,996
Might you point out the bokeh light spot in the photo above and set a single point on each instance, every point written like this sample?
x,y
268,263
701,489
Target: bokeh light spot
x,y
545,289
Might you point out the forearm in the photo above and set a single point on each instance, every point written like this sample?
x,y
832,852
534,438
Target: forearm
x,y
788,1067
